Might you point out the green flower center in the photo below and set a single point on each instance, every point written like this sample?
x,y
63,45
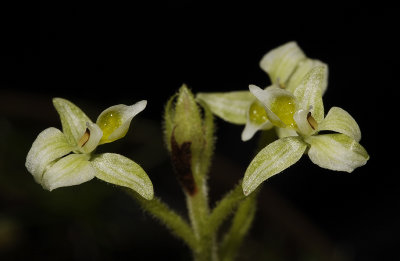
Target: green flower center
x,y
257,113
108,123
284,107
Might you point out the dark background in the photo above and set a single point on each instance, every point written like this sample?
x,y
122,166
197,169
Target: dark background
x,y
98,54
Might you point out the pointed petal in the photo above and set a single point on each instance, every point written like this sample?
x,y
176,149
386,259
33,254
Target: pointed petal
x,y
336,152
71,170
301,71
271,160
49,145
250,129
341,121
309,92
119,170
229,106
73,119
115,120
280,62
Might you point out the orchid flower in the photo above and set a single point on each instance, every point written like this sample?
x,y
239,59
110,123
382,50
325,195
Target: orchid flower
x,y
286,66
65,158
303,113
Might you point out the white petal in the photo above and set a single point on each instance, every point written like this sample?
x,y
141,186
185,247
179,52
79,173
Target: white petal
x,y
250,129
49,145
341,121
309,93
336,152
115,120
271,160
280,62
301,71
119,170
229,106
73,119
71,170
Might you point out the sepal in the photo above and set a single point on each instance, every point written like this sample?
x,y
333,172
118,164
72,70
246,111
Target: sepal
x,y
49,145
73,119
71,170
279,63
339,120
229,106
119,170
271,160
309,92
336,152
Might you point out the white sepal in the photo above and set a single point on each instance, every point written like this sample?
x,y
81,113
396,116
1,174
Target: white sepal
x,y
73,119
301,71
71,170
280,62
49,145
229,106
309,92
336,152
119,170
339,120
271,160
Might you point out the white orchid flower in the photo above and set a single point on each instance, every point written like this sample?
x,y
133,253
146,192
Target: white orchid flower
x,y
59,159
286,66
303,113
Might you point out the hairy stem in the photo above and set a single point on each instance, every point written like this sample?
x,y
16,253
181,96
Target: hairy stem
x,y
240,226
174,222
198,212
225,207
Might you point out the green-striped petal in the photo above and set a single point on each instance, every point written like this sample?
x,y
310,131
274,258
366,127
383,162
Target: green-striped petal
x,y
71,170
309,92
229,106
119,170
271,160
73,119
50,145
301,71
336,152
280,62
339,120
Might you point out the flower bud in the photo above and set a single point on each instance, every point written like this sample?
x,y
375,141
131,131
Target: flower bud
x,y
188,138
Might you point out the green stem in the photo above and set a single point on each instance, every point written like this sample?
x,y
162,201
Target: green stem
x,y
198,213
225,207
240,226
174,222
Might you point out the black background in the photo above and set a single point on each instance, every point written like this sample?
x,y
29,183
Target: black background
x,y
98,54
